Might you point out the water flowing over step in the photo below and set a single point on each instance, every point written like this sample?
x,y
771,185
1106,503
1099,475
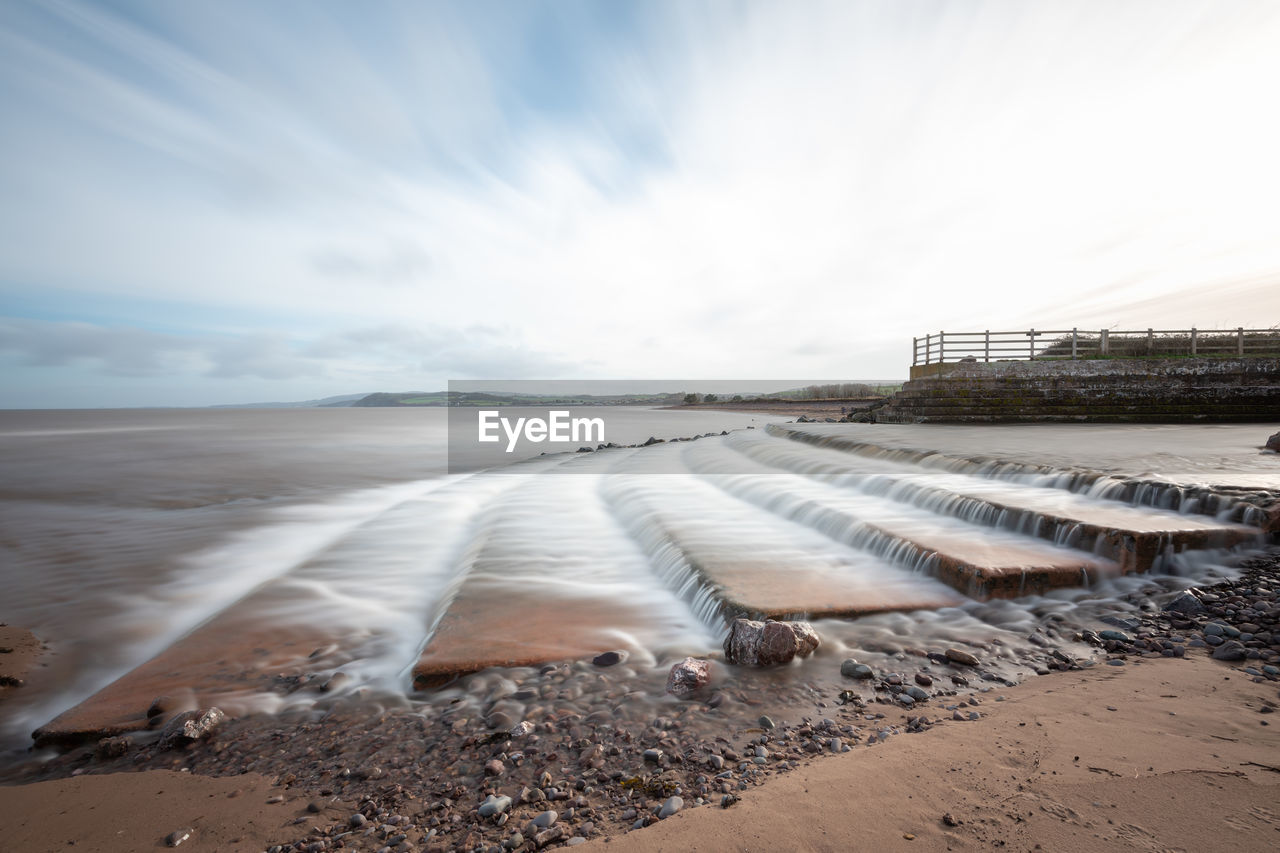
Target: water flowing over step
x,y
343,603
1133,537
1236,504
553,577
738,560
978,561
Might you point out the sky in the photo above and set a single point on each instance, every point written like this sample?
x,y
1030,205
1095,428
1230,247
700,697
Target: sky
x,y
207,203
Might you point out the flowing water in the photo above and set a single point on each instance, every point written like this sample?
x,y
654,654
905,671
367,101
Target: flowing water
x,y
231,555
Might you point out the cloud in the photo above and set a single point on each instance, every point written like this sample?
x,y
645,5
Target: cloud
x,y
756,189
430,352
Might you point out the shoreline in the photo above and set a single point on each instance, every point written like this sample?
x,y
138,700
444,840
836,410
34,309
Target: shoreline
x,y
423,776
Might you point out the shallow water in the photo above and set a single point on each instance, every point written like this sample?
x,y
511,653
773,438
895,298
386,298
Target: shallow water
x,y
306,542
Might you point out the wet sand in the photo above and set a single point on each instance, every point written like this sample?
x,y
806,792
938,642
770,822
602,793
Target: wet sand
x,y
19,651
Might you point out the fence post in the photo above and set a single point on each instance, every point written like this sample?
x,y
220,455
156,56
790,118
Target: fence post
x,y
1032,355
1240,341
942,346
1073,342
986,348
1193,340
1103,348
928,348
1151,341
915,351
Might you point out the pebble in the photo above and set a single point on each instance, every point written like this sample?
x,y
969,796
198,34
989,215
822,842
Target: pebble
x,y
961,657
653,755
494,805
357,820
546,819
608,659
178,836
670,807
767,722
850,668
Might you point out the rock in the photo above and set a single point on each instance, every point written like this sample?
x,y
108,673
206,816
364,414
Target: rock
x,y
494,767
112,747
315,807
1273,443
961,657
609,659
1231,650
357,820
652,441
1117,636
178,836
492,806
191,726
335,682
670,807
688,675
546,819
752,643
1186,604
923,680
767,722
653,756
916,693
521,729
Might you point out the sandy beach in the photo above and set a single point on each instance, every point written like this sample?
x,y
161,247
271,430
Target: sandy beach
x,y
1161,754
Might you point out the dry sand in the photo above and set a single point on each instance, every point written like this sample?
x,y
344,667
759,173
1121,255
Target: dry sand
x,y
1050,768
1185,762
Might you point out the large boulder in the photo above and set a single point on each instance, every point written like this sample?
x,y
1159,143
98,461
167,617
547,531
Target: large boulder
x,y
687,676
752,643
1273,443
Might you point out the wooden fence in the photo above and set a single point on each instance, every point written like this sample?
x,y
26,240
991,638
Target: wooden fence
x,y
1105,343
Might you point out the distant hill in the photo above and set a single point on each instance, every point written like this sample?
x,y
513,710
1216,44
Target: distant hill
x,y
326,402
480,398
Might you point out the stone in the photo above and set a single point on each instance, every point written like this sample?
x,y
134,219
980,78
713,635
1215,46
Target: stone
x,y
357,820
850,668
609,659
653,756
1186,604
522,728
1273,443
1231,650
752,643
492,806
923,680
191,726
1117,636
961,657
670,807
916,693
494,767
178,836
112,747
546,819
688,676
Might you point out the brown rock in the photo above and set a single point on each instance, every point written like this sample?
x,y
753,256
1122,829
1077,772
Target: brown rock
x,y
191,726
687,676
752,643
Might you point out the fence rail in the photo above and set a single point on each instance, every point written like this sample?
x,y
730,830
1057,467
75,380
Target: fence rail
x,y
1033,344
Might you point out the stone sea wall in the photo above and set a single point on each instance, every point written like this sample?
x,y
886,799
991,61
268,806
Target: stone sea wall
x,y
1171,390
